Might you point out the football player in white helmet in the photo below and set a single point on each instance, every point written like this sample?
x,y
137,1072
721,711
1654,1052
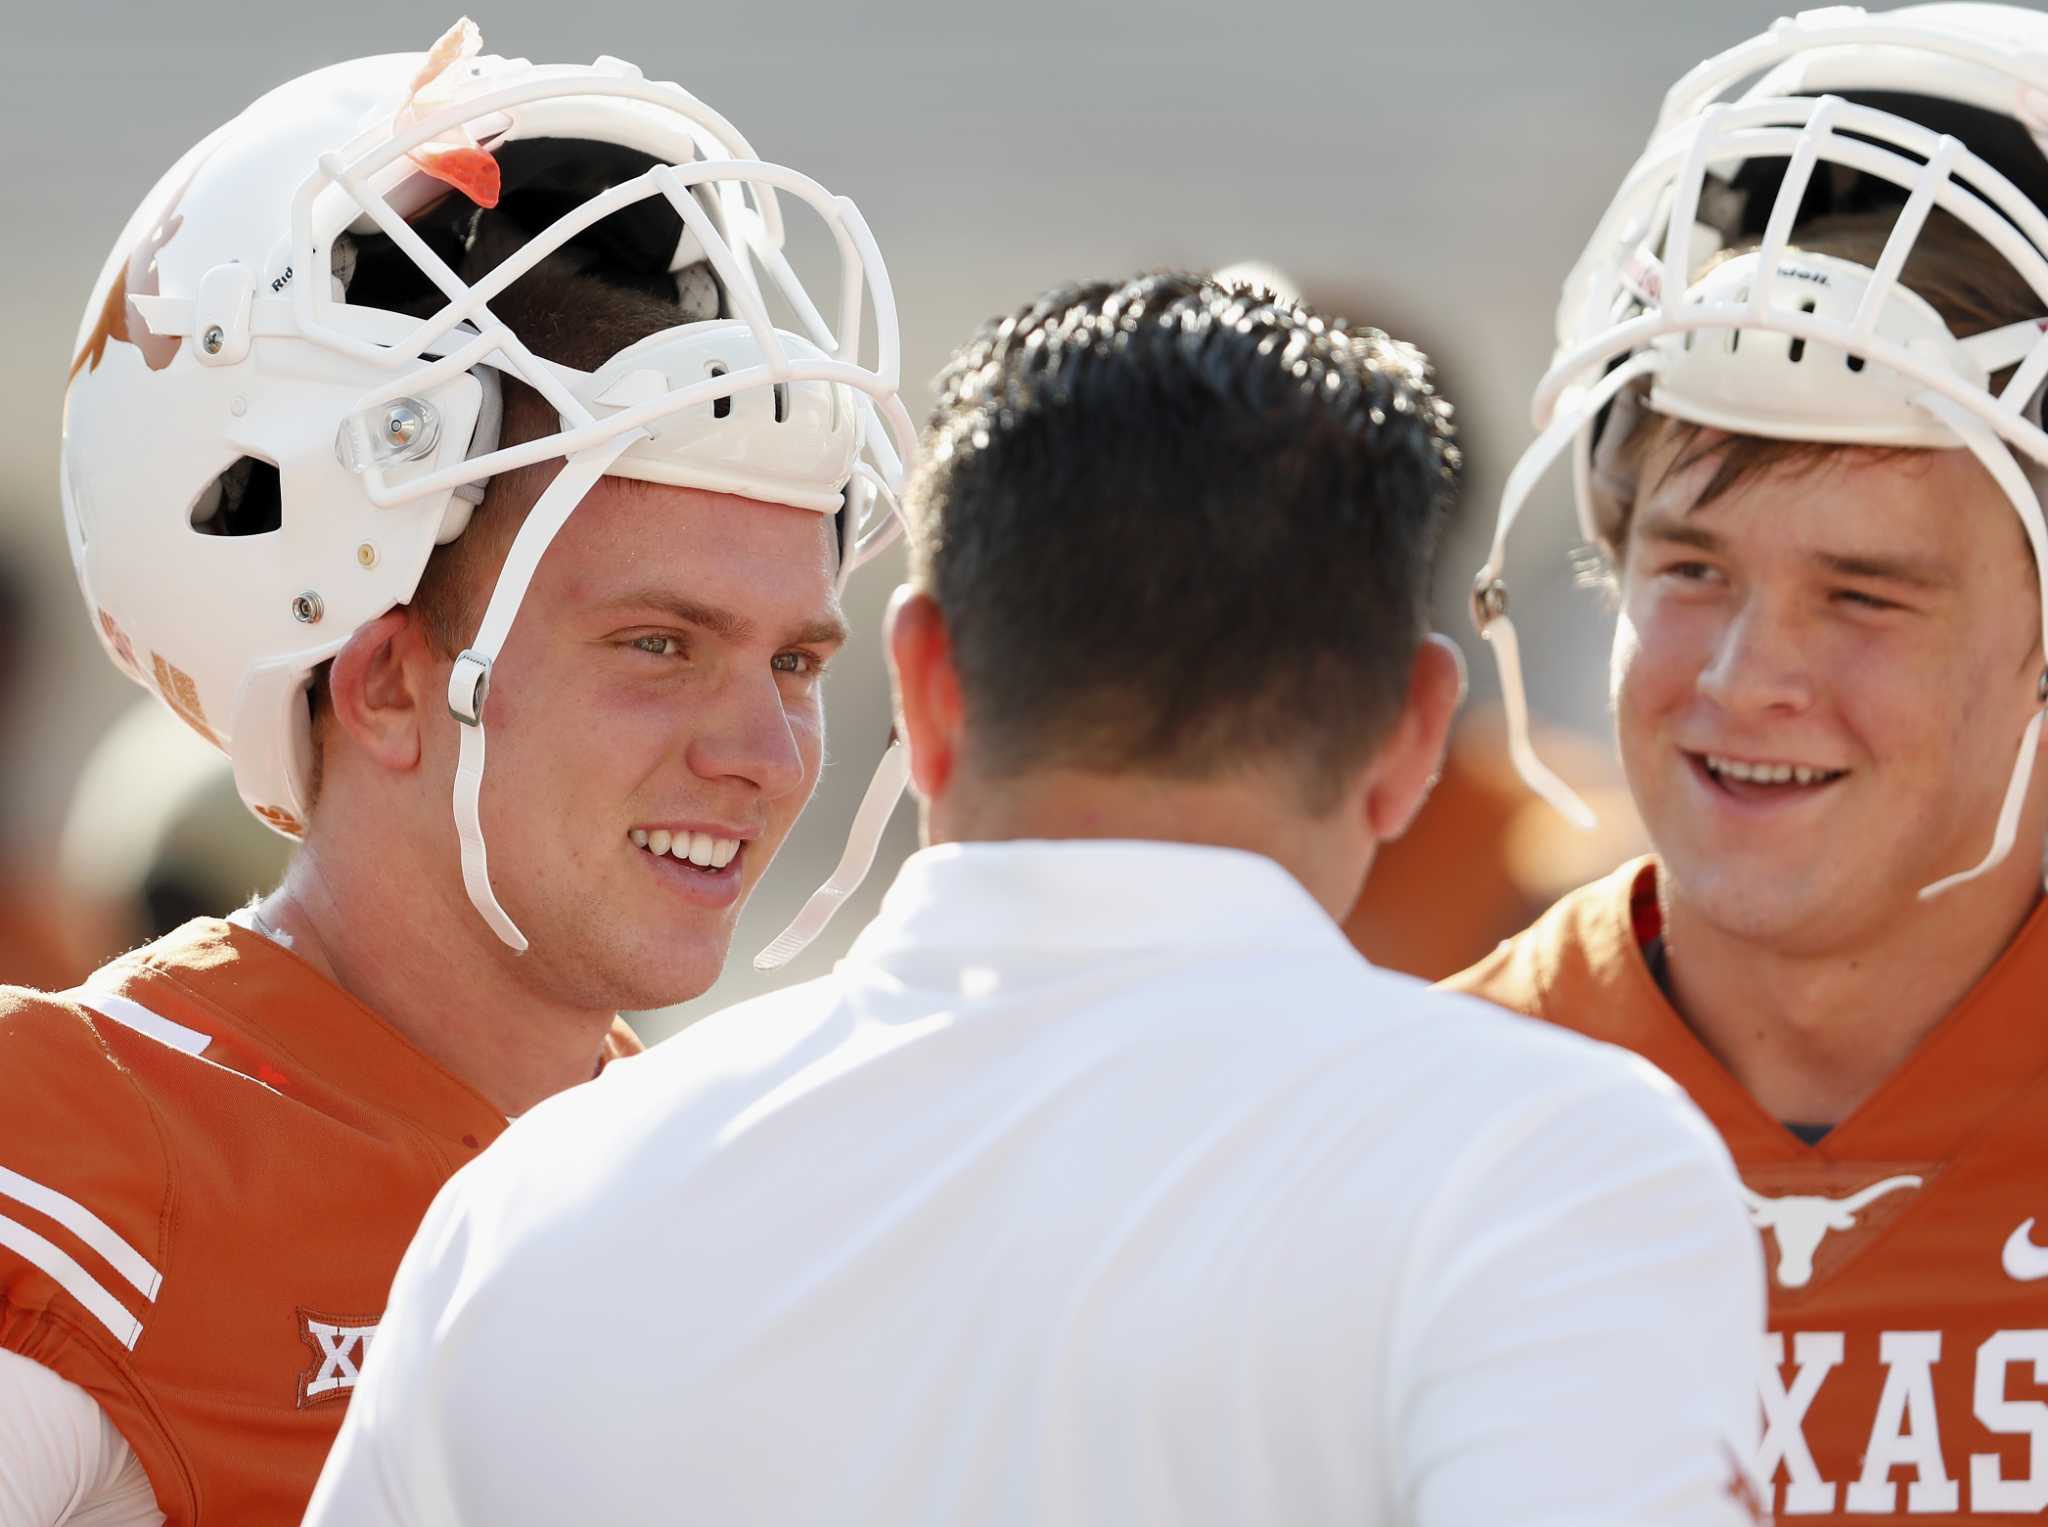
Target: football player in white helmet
x,y
433,398
1800,369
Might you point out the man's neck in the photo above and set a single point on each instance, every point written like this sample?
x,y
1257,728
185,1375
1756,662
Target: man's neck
x,y
457,1004
1811,1034
1329,856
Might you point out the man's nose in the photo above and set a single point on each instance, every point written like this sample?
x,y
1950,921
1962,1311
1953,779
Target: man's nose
x,y
744,733
1758,663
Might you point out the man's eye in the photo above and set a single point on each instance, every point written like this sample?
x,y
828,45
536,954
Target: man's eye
x,y
1866,601
795,662
657,646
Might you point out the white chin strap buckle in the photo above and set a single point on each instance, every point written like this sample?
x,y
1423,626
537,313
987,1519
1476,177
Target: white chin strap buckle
x,y
469,685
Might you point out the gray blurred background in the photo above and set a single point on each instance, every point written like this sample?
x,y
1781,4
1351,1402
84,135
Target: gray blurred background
x,y
1430,168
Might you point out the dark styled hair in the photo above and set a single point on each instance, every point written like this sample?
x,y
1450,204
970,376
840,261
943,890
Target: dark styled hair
x,y
1180,527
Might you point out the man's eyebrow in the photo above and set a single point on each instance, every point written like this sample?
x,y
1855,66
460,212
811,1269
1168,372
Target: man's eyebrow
x,y
729,625
1917,571
1668,527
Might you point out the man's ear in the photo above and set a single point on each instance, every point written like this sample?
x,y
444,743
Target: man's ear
x,y
927,689
378,685
1409,763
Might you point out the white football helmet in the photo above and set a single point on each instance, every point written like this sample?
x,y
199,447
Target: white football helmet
x,y
1929,106
264,442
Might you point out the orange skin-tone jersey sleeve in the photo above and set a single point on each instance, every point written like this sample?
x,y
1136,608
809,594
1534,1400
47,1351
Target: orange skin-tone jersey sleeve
x,y
211,1160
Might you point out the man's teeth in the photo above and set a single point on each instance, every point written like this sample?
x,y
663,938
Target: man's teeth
x,y
1768,773
698,848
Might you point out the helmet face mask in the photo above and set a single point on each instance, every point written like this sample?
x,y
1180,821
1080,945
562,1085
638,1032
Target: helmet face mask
x,y
1780,343
258,460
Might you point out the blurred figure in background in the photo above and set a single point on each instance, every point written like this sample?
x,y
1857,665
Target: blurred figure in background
x,y
46,938
156,835
1484,856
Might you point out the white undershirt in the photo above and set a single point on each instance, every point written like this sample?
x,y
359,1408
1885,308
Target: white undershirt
x,y
61,1459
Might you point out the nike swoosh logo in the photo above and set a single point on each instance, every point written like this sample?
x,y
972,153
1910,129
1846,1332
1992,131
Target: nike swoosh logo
x,y
2024,1261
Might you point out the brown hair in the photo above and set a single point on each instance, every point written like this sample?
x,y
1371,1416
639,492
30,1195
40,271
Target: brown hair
x,y
1971,286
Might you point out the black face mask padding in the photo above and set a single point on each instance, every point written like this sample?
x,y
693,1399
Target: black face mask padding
x,y
1999,140
541,180
547,178
385,276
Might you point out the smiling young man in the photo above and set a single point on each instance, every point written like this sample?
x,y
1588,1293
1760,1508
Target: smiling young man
x,y
1813,461
430,397
1102,1182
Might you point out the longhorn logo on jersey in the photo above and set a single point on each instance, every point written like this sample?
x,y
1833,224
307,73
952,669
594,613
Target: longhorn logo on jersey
x,y
1800,1221
339,1343
1815,1216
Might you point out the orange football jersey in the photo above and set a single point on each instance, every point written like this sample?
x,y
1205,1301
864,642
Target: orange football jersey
x,y
211,1160
1905,1374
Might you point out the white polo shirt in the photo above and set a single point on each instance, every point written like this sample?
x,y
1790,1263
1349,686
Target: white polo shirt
x,y
1102,1182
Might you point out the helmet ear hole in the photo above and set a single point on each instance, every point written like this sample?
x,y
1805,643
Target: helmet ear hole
x,y
245,500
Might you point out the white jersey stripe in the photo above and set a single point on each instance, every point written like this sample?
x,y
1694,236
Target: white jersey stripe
x,y
73,1279
133,1015
87,1226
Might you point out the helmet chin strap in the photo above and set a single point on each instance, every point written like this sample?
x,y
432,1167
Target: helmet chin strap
x,y
892,773
469,684
876,807
1490,593
2005,469
470,681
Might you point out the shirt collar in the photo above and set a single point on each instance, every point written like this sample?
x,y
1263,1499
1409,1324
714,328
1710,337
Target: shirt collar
x,y
1093,894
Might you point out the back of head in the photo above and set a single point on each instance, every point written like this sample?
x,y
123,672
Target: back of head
x,y
1182,529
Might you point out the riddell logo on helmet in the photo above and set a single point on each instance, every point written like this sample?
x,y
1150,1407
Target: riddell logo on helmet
x,y
1804,273
182,696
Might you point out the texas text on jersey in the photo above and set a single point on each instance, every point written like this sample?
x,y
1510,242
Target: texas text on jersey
x,y
1905,1372
213,1161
